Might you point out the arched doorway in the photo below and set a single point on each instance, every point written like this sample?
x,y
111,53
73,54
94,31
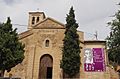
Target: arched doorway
x,y
46,67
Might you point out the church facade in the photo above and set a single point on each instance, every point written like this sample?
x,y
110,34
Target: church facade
x,y
43,52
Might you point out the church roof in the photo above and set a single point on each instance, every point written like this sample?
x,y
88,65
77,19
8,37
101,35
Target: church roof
x,y
49,23
25,34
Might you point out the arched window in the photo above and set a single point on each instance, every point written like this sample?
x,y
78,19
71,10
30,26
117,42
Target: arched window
x,y
37,19
33,20
47,43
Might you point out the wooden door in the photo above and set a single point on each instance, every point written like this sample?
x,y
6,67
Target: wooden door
x,y
46,66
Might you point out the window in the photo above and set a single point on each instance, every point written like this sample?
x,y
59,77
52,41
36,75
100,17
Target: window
x,y
47,43
37,19
33,20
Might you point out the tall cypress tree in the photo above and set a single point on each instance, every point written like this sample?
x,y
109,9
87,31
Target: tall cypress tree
x,y
11,50
70,62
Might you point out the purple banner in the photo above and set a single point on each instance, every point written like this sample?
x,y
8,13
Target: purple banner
x,y
94,59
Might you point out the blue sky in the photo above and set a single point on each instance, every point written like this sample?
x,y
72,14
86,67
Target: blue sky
x,y
92,15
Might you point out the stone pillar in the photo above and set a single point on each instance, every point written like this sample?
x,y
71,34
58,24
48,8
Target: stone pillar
x,y
30,62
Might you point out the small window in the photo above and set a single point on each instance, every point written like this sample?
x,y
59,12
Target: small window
x,y
37,19
47,43
33,20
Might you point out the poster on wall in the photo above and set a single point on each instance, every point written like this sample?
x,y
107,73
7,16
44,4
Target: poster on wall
x,y
94,59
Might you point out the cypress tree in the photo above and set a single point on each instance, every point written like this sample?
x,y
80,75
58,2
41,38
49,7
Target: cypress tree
x,y
11,50
70,62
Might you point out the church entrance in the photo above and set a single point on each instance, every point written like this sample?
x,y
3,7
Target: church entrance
x,y
46,67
